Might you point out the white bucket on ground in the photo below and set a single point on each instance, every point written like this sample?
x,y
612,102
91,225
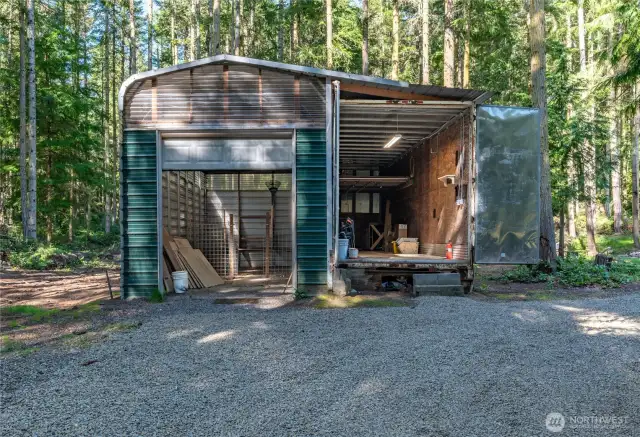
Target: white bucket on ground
x,y
180,281
353,253
343,248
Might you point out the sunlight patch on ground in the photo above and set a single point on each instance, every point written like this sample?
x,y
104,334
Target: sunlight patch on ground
x,y
182,333
217,336
603,323
530,316
370,387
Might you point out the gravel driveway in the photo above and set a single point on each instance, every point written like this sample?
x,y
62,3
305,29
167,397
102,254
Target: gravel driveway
x,y
446,367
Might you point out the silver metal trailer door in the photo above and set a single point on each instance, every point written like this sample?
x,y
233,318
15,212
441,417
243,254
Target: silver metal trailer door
x,y
507,225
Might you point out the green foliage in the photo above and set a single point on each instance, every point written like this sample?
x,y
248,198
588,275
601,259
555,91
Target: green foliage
x,y
33,313
580,271
526,274
157,296
576,271
300,293
619,244
92,251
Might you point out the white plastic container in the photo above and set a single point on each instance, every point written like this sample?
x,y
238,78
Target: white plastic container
x,y
353,253
343,248
180,281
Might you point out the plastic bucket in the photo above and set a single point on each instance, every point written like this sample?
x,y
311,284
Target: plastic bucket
x,y
343,248
353,252
180,281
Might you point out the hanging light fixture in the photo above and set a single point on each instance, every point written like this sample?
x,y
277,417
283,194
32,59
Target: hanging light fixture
x,y
392,141
396,137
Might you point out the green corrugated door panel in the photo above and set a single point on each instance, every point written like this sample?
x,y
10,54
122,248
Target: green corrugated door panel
x,y
139,267
311,207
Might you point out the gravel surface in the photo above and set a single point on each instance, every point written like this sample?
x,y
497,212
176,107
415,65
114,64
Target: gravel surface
x,y
446,367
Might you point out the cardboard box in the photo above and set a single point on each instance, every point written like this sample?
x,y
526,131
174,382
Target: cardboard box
x,y
401,231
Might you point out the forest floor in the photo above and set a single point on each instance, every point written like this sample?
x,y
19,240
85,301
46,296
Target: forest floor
x,y
52,308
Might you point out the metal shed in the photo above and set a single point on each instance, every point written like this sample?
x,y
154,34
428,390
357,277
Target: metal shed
x,y
195,134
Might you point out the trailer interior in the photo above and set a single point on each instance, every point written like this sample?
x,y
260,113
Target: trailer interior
x,y
403,182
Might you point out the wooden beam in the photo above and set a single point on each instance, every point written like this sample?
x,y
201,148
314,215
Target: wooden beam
x,y
191,95
390,94
260,92
225,86
296,97
154,100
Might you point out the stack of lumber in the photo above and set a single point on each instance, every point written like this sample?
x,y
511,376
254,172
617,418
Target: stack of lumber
x,y
180,256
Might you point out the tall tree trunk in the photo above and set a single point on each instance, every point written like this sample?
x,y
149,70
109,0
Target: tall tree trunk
x,y
216,27
539,99
589,153
114,120
467,42
197,17
449,52
635,205
174,42
107,111
24,194
365,37
280,30
329,18
395,51
236,29
133,49
614,133
31,132
425,41
571,170
71,209
149,34
48,219
295,18
192,32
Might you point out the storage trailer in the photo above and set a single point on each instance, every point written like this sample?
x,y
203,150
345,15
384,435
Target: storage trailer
x,y
257,163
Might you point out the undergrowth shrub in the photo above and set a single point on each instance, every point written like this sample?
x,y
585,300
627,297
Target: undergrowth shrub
x,y
576,271
526,273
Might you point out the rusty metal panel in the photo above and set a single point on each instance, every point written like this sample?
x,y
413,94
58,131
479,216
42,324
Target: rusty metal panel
x,y
219,96
508,185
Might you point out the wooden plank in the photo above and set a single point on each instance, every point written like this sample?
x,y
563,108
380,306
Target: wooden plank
x,y
154,100
211,272
268,242
167,240
174,249
194,282
194,264
203,271
166,275
387,226
380,236
183,243
381,92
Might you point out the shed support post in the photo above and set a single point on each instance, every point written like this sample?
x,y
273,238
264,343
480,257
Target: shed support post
x,y
329,188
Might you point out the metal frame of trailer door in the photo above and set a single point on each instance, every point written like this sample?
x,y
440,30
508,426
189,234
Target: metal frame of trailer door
x,y
160,169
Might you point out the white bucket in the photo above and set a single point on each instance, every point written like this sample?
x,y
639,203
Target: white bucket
x,y
353,253
343,248
180,281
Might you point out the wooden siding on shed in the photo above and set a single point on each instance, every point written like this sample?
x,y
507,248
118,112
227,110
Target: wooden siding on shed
x,y
139,203
226,95
430,208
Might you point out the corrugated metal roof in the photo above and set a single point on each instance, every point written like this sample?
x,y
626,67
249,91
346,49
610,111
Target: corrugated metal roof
x,y
376,82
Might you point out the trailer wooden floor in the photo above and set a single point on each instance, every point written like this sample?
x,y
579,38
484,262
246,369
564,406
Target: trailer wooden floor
x,y
395,256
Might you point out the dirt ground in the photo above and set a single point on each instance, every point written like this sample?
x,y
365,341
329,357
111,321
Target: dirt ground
x,y
52,289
